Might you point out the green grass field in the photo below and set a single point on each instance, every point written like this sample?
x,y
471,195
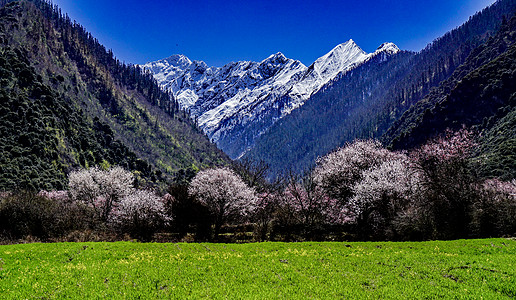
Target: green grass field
x,y
466,269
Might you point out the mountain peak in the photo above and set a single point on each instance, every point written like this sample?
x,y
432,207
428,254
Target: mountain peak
x,y
389,48
276,57
349,42
346,46
178,60
278,54
340,58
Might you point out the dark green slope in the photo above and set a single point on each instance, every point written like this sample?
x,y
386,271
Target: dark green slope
x,y
480,94
66,102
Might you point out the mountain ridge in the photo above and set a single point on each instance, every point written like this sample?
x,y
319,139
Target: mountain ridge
x,y
479,95
236,103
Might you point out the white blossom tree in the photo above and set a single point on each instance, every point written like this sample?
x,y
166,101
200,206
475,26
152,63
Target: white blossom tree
x,y
141,214
224,193
339,171
384,192
100,189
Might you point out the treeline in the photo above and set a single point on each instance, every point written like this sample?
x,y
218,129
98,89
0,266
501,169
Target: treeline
x,y
79,44
358,192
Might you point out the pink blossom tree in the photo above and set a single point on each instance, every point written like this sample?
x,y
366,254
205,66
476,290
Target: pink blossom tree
x,y
265,214
452,145
306,203
60,196
449,183
224,194
494,212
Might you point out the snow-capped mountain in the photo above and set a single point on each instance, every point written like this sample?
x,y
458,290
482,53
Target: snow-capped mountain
x,y
236,103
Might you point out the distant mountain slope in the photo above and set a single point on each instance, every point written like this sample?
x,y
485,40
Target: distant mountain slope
x,y
480,94
236,103
322,123
365,102
66,102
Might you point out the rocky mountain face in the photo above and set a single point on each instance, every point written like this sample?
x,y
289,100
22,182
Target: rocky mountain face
x,y
237,103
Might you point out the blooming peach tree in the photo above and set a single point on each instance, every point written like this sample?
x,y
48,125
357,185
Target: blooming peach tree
x,y
100,189
449,183
338,172
371,183
383,193
224,194
306,203
495,212
141,214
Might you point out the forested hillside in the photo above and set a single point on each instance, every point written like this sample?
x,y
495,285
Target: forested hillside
x,y
480,94
366,102
67,102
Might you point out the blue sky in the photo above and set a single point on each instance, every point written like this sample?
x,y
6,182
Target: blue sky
x,y
219,32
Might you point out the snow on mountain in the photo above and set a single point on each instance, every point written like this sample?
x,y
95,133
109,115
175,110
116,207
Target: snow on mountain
x,y
167,69
340,59
236,103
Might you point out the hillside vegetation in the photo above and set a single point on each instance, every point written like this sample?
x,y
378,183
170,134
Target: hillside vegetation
x,y
480,94
67,102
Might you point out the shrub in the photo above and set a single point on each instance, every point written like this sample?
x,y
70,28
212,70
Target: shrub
x,y
187,214
45,215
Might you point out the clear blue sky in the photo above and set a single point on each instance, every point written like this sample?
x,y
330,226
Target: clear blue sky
x,y
219,32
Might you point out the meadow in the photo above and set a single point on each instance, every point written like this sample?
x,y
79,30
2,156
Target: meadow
x,y
463,269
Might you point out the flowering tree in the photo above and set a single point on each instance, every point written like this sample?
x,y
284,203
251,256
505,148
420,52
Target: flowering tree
x,y
448,147
337,172
307,204
61,196
224,193
449,183
265,214
141,214
384,192
100,189
495,211
502,189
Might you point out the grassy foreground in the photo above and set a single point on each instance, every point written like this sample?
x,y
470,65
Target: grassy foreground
x,y
451,269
